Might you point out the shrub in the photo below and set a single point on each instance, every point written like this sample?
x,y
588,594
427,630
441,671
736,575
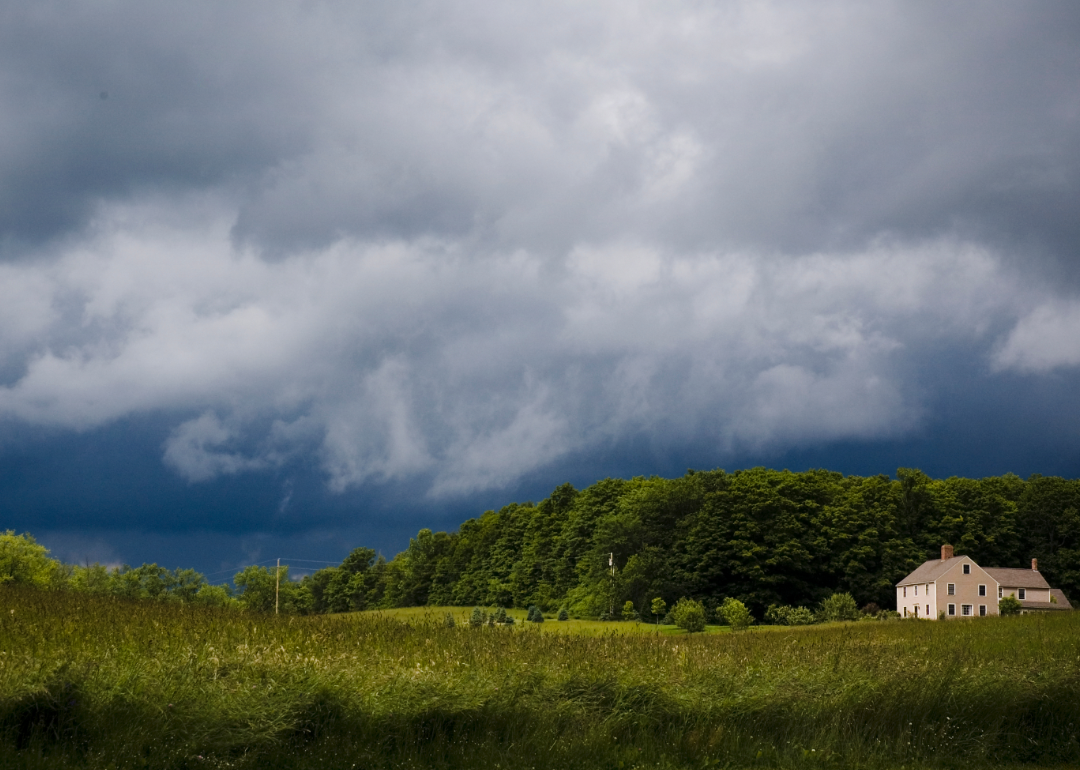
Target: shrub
x,y
1010,605
563,614
735,614
782,615
688,615
535,615
838,607
777,614
628,611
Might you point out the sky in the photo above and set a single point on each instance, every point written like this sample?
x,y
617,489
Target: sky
x,y
284,278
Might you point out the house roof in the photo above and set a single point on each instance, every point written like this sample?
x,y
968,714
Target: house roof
x,y
1030,605
1017,578
929,571
1062,600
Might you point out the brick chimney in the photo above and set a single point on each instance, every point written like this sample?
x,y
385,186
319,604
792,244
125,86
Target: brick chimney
x,y
946,552
1035,564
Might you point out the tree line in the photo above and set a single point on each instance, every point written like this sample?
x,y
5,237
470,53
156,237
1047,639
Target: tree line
x,y
766,538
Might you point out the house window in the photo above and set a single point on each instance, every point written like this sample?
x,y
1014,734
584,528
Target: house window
x,y
916,590
982,590
967,569
952,609
952,589
1023,593
1001,592
905,592
982,610
928,610
965,610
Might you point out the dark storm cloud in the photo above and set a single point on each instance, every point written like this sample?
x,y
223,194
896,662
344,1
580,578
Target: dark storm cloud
x,y
107,101
754,125
439,248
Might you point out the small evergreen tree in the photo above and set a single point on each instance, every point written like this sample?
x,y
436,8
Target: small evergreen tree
x,y
449,620
563,614
477,618
500,615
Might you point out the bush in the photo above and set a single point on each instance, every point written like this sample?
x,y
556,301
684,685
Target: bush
x,y
838,607
628,611
783,615
1010,605
688,615
735,614
535,615
563,614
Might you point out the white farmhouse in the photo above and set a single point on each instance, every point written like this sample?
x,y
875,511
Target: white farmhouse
x,y
957,587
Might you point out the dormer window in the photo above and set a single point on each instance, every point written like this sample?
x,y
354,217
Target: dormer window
x,y
967,569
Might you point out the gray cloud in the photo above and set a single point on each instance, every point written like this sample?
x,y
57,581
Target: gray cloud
x,y
457,244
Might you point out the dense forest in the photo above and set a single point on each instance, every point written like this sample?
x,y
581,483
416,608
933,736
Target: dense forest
x,y
761,536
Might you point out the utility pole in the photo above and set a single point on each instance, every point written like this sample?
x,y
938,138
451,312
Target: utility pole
x,y
277,585
611,599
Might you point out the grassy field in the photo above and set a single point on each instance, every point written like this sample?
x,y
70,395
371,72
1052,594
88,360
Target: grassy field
x,y
429,615
100,683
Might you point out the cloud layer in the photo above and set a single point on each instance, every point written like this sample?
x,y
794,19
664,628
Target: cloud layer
x,y
457,244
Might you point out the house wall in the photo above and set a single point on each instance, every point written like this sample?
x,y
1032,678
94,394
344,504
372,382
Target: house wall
x,y
1033,594
925,597
933,598
966,591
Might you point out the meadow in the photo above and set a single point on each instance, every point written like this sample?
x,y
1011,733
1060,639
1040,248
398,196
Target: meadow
x,y
100,682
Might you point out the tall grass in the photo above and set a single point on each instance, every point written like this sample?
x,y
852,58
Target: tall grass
x,y
102,683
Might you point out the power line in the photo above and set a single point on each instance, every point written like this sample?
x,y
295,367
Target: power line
x,y
267,561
